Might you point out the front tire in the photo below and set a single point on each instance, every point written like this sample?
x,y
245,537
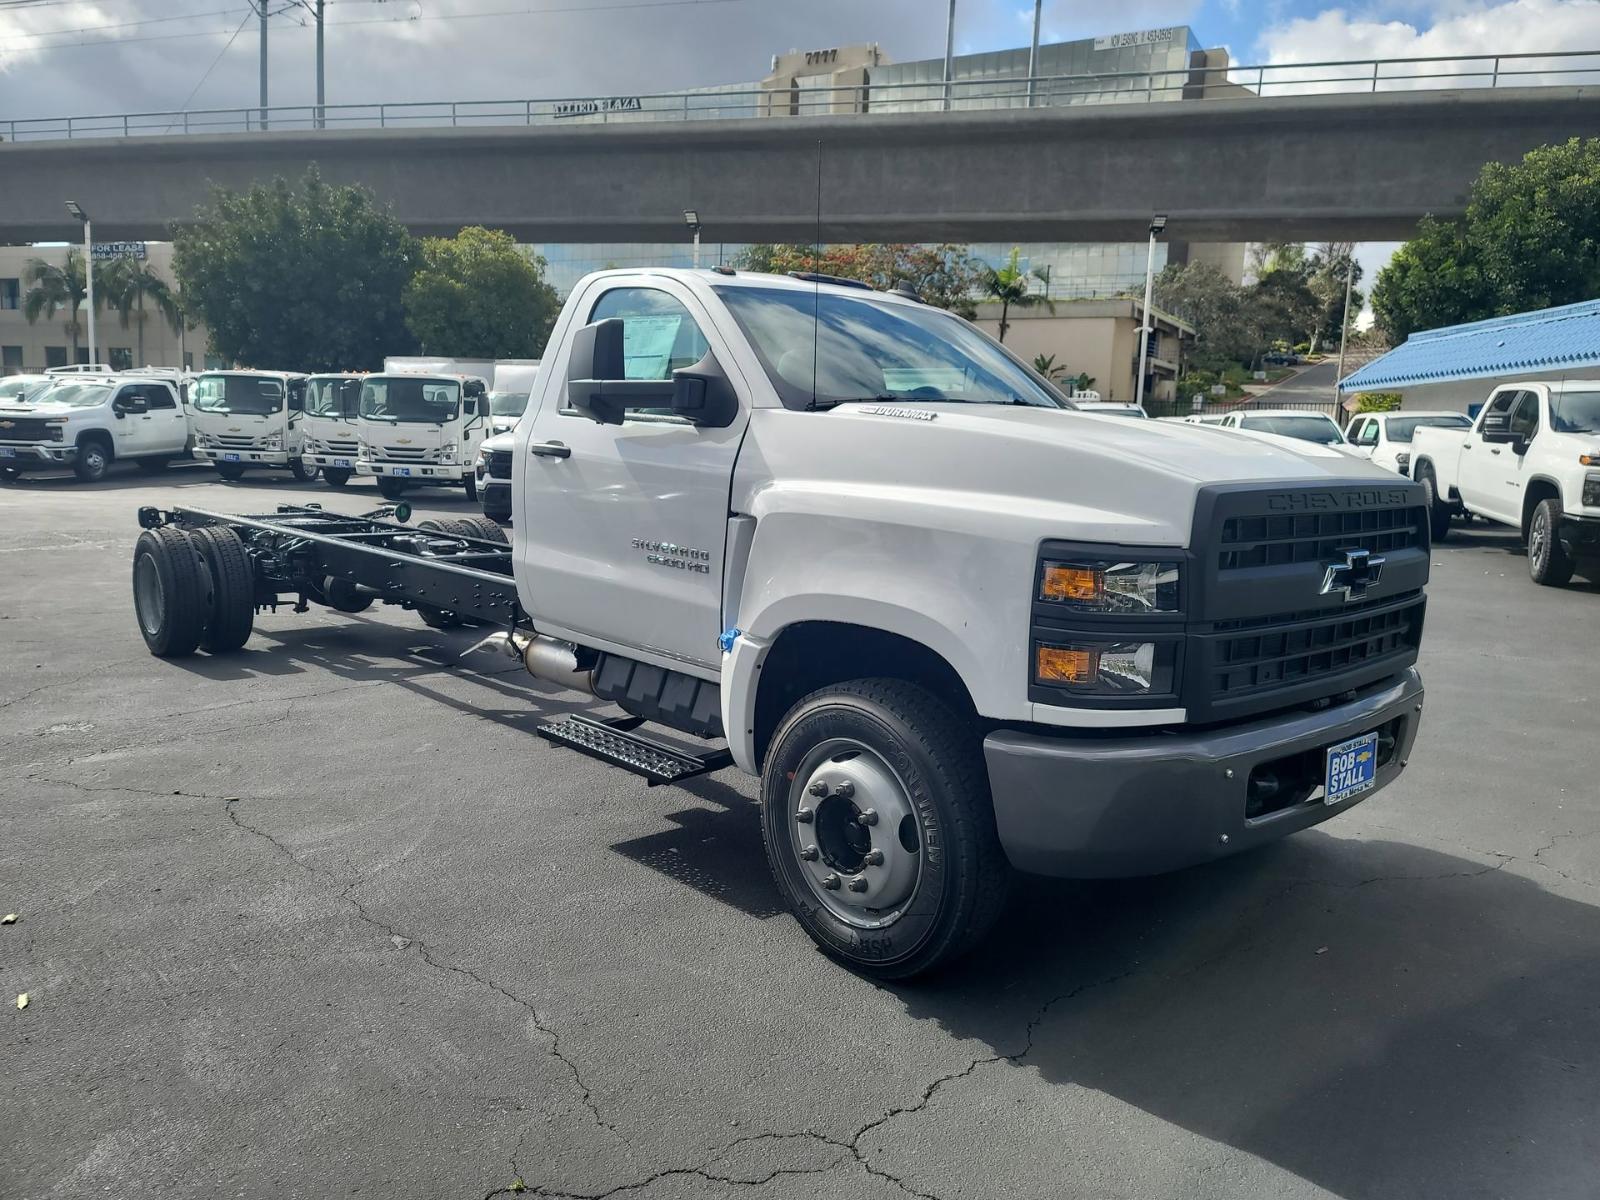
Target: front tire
x,y
391,488
154,464
878,826
1438,509
303,472
93,461
232,472
471,484
336,477
1549,564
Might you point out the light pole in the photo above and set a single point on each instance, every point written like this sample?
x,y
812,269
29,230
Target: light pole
x,y
1344,322
76,210
1157,224
322,116
949,54
1033,55
691,218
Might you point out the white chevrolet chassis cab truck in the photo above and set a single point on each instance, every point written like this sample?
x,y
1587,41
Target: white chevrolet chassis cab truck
x,y
331,426
954,628
1531,460
421,430
250,419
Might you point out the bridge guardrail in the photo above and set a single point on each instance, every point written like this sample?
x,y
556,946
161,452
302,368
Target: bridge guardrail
x,y
1267,80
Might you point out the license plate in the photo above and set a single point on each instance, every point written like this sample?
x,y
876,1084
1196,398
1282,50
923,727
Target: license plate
x,y
7,452
230,458
341,462
399,470
1352,768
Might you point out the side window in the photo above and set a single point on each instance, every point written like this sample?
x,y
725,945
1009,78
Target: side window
x,y
1498,413
1367,433
158,396
659,336
1525,417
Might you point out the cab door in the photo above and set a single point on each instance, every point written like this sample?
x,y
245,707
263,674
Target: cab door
x,y
132,430
1487,466
169,430
622,531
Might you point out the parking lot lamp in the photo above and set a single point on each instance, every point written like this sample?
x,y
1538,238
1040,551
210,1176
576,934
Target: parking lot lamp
x,y
1146,327
691,218
76,210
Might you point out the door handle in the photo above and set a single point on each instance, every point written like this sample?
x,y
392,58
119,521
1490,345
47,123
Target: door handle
x,y
1494,449
1466,445
550,450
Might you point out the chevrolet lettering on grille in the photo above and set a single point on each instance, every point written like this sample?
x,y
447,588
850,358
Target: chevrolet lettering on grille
x,y
1352,577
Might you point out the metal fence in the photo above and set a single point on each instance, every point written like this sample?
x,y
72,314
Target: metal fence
x,y
1269,80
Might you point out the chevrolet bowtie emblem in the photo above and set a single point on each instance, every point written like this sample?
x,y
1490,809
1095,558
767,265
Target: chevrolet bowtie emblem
x,y
1353,576
7,424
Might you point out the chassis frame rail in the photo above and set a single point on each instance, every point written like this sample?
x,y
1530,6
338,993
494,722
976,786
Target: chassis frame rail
x,y
346,561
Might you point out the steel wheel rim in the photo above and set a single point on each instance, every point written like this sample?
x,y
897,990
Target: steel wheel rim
x,y
1538,539
94,460
854,833
149,598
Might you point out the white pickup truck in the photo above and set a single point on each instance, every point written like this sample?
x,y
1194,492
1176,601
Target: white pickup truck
x,y
954,628
87,420
1532,461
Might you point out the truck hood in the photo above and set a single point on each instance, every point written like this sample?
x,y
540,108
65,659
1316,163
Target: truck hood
x,y
44,410
1016,472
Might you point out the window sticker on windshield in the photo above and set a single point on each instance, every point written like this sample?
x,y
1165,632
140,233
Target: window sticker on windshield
x,y
945,380
647,345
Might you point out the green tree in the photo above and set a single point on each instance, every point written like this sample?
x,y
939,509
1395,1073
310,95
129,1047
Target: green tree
x,y
478,296
1530,239
943,275
1327,280
1012,287
56,289
1229,324
305,278
129,284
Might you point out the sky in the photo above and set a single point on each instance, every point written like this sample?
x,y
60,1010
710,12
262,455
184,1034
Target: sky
x,y
60,57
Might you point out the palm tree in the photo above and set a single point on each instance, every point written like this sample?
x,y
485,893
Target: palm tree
x,y
52,289
128,284
1009,285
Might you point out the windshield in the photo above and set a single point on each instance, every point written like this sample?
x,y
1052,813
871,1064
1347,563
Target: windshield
x,y
75,395
839,348
1308,428
13,388
332,396
406,398
507,404
1575,412
246,395
1401,428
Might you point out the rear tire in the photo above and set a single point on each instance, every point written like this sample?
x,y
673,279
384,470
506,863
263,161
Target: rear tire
x,y
170,590
483,527
1439,513
232,472
441,618
901,751
154,464
302,471
232,588
391,488
93,461
1549,564
336,477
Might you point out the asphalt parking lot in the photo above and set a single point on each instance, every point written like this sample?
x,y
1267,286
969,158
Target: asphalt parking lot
x,y
323,918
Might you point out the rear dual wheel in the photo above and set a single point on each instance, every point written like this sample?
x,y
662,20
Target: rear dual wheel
x,y
192,588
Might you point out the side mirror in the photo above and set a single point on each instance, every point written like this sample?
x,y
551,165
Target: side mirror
x,y
123,405
1496,427
598,388
595,360
1519,444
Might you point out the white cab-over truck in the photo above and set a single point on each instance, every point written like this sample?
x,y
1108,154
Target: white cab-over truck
x,y
88,420
332,426
1532,461
954,628
421,430
245,419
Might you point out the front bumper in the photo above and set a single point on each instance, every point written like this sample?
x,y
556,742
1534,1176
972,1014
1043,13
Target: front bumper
x,y
337,461
36,454
415,472
1581,533
259,458
1106,807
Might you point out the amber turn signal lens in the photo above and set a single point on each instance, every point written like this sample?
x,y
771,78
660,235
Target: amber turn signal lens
x,y
1056,664
1071,583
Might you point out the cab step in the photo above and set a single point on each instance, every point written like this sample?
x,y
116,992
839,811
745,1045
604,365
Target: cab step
x,y
615,742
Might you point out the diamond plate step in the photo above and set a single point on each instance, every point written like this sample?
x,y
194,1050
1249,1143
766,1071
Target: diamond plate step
x,y
616,744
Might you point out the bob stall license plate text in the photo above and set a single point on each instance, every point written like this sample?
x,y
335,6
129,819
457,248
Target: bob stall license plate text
x,y
1352,768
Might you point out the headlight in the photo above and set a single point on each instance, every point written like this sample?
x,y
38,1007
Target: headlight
x,y
1402,463
273,442
1106,668
1591,490
1119,588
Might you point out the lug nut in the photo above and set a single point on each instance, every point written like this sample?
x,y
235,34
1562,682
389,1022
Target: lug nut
x,y
809,853
874,858
858,884
868,816
818,788
831,882
804,815
846,789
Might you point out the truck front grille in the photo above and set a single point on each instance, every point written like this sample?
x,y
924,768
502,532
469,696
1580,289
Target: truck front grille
x,y
498,464
405,454
1295,648
28,429
1283,538
236,441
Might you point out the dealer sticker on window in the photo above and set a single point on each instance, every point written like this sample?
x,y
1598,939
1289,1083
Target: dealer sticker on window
x,y
1352,768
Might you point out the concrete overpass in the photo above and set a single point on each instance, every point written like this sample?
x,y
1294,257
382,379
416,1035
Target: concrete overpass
x,y
1356,167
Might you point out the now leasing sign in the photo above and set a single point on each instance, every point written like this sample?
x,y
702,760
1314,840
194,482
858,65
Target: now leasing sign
x,y
589,108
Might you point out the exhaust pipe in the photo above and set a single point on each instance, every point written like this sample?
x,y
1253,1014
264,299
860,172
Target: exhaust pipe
x,y
557,662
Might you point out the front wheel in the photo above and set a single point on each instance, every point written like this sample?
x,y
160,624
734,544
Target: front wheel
x,y
1549,563
1438,510
232,472
336,477
10,474
878,827
303,471
472,488
391,488
154,464
92,463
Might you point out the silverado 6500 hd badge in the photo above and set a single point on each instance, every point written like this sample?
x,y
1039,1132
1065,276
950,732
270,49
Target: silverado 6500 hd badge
x,y
670,554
